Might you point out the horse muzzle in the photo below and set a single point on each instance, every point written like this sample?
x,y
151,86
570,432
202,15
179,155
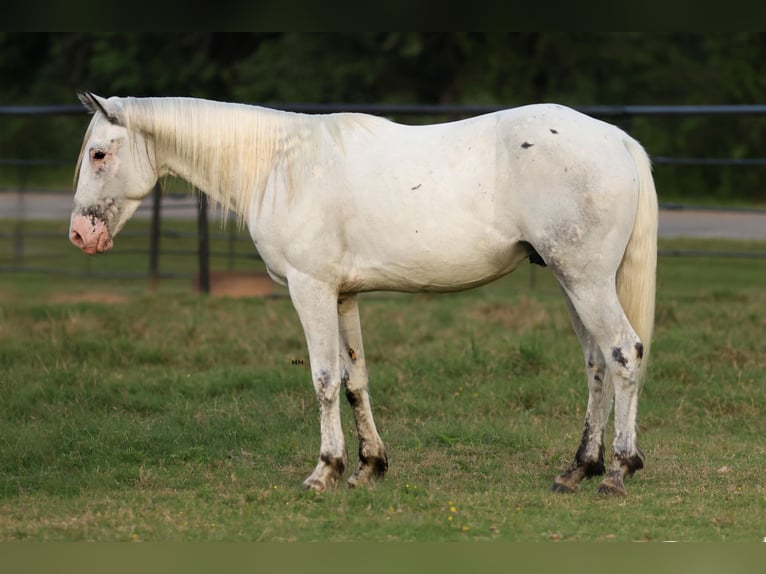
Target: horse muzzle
x,y
89,234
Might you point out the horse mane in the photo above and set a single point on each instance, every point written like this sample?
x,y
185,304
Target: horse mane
x,y
85,140
234,147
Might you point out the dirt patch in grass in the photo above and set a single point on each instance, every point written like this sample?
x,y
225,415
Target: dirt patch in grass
x,y
233,284
522,316
239,284
88,297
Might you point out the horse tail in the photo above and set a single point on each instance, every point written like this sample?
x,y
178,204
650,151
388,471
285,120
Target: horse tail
x,y
636,276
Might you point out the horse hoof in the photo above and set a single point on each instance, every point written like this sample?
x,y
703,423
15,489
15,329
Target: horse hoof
x,y
362,478
612,486
313,484
321,483
357,481
561,488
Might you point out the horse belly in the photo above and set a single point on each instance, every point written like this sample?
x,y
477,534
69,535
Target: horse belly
x,y
438,264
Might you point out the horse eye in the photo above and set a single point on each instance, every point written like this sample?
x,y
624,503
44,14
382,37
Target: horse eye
x,y
99,155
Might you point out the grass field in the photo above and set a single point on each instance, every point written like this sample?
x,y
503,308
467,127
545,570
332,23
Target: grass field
x,y
168,416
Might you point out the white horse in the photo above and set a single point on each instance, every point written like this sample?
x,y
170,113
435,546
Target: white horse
x,y
340,204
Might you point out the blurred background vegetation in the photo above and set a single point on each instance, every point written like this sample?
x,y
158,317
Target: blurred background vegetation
x,y
508,69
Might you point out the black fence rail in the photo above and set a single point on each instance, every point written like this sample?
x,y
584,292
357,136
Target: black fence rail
x,y
161,207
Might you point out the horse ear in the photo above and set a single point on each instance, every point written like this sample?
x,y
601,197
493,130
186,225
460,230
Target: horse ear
x,y
95,103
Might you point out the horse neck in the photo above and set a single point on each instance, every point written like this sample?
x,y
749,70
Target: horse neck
x,y
225,150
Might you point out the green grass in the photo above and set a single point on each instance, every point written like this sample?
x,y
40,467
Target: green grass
x,y
169,416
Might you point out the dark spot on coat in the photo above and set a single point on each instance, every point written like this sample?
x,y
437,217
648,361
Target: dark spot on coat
x,y
352,354
323,378
595,467
336,463
379,464
590,467
352,398
94,214
323,384
526,145
416,187
640,350
630,463
553,131
618,356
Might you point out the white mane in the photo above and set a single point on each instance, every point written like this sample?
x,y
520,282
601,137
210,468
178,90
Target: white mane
x,y
234,147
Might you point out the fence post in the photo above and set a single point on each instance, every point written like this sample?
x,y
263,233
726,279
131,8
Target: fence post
x,y
18,232
154,240
203,250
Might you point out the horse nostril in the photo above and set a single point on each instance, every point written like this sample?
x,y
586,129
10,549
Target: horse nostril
x,y
76,239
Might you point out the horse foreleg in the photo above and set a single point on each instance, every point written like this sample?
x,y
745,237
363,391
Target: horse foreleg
x,y
315,303
373,461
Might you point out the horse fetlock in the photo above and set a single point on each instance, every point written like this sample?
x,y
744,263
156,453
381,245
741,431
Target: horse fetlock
x,y
569,480
593,468
623,466
582,468
373,465
629,464
370,450
590,454
368,472
327,473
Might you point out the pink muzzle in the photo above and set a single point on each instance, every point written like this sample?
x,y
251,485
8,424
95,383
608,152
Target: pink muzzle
x,y
89,234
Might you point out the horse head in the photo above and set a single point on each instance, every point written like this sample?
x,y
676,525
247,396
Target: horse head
x,y
113,175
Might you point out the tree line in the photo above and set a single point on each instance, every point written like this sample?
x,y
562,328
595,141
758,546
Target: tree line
x,y
508,69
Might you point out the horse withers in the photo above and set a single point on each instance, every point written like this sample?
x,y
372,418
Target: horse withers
x,y
340,204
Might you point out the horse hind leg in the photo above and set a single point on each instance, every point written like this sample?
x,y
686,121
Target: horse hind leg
x,y
601,314
589,458
373,461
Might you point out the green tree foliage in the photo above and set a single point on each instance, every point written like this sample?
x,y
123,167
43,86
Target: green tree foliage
x,y
509,69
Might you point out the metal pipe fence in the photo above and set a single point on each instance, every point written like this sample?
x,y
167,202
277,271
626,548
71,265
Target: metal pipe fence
x,y
21,233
